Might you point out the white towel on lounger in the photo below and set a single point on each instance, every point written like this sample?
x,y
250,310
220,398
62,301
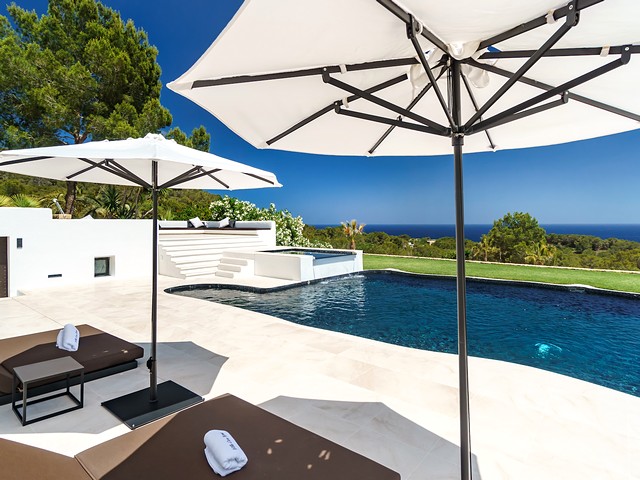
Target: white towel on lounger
x,y
223,453
68,338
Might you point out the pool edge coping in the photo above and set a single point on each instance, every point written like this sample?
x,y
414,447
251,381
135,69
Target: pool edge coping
x,y
524,283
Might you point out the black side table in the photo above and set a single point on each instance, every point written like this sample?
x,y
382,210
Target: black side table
x,y
41,372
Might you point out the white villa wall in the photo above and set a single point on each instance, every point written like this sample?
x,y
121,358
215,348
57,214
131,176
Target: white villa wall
x,y
68,248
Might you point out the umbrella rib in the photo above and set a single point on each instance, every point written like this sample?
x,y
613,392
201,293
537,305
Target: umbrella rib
x,y
84,170
201,173
258,177
383,103
538,22
405,17
384,136
502,119
331,107
133,176
413,103
398,62
22,160
109,169
179,178
561,52
555,91
217,179
572,96
571,21
475,105
412,29
388,121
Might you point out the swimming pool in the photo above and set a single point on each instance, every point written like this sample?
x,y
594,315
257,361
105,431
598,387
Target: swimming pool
x,y
593,337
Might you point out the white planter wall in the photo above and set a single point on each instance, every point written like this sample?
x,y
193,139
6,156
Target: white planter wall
x,y
62,252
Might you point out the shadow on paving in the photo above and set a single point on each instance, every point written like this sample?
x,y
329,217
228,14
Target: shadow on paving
x,y
378,432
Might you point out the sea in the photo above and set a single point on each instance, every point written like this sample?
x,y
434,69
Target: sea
x,y
475,231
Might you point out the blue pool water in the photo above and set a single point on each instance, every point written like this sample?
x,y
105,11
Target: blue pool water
x,y
592,337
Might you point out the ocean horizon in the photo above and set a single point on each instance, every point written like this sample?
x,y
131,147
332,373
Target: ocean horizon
x,y
475,231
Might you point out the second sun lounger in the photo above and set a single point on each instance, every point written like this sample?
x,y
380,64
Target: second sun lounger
x,y
173,448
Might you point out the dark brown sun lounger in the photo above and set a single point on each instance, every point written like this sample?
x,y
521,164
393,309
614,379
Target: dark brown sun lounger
x,y
173,448
24,462
100,353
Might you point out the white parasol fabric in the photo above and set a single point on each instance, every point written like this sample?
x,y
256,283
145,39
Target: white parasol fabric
x,y
129,162
420,78
306,34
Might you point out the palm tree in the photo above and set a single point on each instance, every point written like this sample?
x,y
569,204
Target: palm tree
x,y
351,229
109,203
19,200
483,250
540,254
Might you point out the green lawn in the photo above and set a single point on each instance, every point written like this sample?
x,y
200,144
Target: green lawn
x,y
627,282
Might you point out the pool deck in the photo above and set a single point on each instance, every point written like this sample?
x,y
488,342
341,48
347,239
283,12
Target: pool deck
x,y
396,405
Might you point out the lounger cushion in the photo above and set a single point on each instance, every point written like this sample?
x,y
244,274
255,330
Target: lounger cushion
x,y
173,448
97,350
22,462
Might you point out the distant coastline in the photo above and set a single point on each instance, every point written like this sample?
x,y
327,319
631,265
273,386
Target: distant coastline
x,y
475,231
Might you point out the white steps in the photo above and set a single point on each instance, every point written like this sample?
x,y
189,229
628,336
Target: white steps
x,y
233,265
197,253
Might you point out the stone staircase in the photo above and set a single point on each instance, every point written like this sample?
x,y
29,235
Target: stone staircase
x,y
197,253
235,264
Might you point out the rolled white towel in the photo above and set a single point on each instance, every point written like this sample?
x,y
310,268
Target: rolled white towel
x,y
223,453
68,338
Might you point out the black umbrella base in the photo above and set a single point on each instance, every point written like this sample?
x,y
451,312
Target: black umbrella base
x,y
135,409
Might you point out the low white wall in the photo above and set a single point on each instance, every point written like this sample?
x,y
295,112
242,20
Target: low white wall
x,y
286,267
62,252
301,268
329,267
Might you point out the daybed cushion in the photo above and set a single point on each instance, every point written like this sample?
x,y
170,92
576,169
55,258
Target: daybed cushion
x,y
261,224
173,224
195,222
173,447
217,224
23,462
97,350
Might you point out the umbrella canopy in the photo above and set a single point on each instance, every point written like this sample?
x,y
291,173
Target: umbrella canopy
x,y
129,162
155,163
264,78
386,77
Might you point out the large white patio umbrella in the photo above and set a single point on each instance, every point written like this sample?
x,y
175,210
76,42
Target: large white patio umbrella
x,y
155,163
417,77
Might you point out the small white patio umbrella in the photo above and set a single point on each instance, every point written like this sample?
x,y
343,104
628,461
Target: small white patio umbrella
x,y
415,77
155,163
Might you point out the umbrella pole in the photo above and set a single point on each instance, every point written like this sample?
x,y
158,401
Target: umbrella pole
x,y
151,363
463,371
146,405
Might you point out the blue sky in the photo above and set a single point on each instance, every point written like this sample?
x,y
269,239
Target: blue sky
x,y
593,181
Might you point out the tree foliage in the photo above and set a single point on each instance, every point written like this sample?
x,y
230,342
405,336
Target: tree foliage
x,y
289,229
199,138
513,238
560,250
78,73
